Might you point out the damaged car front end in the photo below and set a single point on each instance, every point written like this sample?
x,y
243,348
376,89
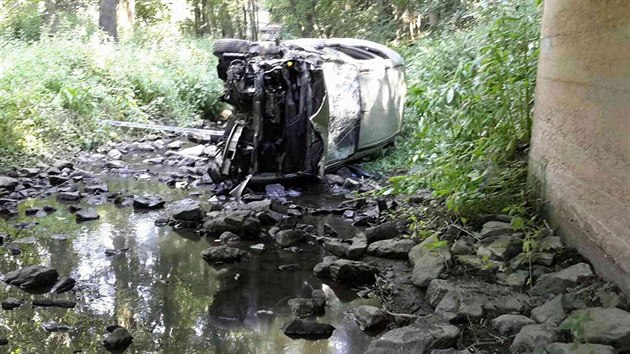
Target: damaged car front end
x,y
302,106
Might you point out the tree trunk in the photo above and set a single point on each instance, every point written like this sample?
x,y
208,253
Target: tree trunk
x,y
197,13
107,17
434,18
50,18
253,19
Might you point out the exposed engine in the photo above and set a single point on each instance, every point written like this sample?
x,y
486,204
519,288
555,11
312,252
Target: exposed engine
x,y
277,94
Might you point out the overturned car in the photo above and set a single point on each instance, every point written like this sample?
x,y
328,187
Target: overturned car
x,y
302,106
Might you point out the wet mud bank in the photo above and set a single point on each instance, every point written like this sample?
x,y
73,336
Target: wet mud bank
x,y
135,248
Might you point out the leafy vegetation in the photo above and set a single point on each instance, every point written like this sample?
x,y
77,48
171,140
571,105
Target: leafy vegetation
x,y
54,91
468,118
382,21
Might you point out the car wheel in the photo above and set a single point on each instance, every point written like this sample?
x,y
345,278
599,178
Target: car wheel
x,y
230,45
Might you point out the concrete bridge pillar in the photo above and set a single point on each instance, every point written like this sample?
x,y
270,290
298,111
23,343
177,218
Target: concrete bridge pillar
x,y
580,148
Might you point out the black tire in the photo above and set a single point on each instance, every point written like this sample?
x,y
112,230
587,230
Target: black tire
x,y
230,45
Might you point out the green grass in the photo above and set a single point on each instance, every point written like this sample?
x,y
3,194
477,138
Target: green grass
x,y
54,91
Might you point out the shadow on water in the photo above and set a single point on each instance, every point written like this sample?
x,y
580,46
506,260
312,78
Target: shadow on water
x,y
160,289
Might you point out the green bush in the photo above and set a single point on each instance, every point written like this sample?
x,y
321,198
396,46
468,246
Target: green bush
x,y
54,91
469,110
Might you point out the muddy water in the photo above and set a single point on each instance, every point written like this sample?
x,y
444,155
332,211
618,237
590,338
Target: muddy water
x,y
169,298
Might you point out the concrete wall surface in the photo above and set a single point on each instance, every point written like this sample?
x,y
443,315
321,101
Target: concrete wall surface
x,y
580,148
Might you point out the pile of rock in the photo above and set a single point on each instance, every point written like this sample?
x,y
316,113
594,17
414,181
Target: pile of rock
x,y
481,275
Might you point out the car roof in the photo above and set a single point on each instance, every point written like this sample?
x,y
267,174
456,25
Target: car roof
x,y
348,49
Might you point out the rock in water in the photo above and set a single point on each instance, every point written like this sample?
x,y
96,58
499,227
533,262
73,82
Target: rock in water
x,y
66,304
369,317
52,326
346,271
222,254
33,278
307,329
315,306
63,285
118,340
86,215
186,210
148,203
287,238
243,223
275,191
11,303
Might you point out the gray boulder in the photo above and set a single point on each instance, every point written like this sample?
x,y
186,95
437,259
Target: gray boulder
x,y
551,312
222,254
244,223
495,228
69,196
86,214
146,202
299,328
114,154
369,317
11,303
503,248
534,338
603,325
578,348
287,238
460,299
315,306
53,326
558,282
461,247
229,236
118,340
33,277
425,334
511,324
346,271
357,247
551,244
381,232
336,246
8,183
397,249
516,279
186,210
429,262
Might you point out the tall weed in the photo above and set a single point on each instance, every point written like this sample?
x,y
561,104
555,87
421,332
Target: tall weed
x,y
54,91
469,111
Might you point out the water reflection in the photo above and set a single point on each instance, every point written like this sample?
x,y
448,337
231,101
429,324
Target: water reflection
x,y
168,297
